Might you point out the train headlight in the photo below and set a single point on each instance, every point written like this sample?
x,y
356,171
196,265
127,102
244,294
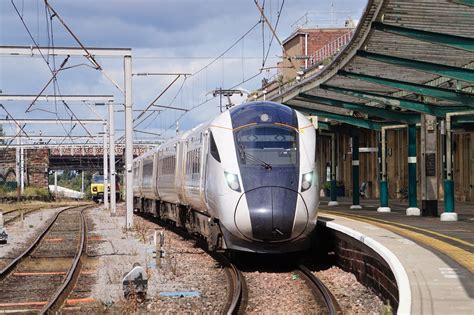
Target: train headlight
x,y
307,181
232,181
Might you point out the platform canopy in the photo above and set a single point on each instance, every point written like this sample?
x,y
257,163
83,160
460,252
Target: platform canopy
x,y
405,58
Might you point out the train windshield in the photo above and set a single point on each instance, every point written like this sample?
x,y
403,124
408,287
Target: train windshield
x,y
97,178
267,145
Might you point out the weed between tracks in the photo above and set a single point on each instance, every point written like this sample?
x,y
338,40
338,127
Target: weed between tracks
x,y
141,230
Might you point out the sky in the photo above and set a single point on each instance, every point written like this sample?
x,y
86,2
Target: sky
x,y
166,36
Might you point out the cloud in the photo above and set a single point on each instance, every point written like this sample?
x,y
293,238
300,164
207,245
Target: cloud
x,y
165,35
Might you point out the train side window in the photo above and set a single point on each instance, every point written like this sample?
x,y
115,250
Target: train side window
x,y
213,148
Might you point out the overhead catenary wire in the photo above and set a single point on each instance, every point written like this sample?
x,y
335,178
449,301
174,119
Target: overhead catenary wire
x,y
262,12
53,70
210,99
50,13
208,65
273,35
221,56
14,120
157,98
228,49
88,54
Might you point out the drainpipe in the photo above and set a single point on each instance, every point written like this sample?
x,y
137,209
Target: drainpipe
x,y
449,214
383,180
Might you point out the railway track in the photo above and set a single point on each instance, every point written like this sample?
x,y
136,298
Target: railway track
x,y
40,278
11,215
238,292
321,294
283,286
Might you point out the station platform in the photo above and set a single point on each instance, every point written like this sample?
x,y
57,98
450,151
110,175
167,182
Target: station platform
x,y
434,259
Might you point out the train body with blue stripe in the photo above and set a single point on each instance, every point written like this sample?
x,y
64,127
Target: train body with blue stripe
x,y
245,181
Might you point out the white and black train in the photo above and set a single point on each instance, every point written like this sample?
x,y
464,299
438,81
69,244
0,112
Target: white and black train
x,y
245,181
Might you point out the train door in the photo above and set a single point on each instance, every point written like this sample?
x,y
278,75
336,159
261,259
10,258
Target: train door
x,y
154,178
181,162
204,166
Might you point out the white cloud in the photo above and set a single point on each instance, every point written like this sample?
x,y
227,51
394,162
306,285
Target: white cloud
x,y
165,35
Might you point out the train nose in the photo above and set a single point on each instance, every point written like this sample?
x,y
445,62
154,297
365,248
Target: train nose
x,y
275,213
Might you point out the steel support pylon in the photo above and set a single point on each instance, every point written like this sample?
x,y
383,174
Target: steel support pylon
x,y
106,175
128,142
112,159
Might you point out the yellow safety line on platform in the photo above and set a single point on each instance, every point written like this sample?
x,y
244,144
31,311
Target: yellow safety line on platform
x,y
459,255
403,225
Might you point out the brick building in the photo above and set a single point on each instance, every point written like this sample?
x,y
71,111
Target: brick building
x,y
36,166
7,165
304,43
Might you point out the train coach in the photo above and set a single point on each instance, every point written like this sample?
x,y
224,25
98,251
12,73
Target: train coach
x,y
245,181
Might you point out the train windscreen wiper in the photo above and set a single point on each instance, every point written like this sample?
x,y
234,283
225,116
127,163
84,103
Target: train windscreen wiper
x,y
252,158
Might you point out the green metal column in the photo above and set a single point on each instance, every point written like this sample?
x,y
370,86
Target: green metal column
x,y
449,213
383,173
449,182
412,208
355,173
448,195
333,201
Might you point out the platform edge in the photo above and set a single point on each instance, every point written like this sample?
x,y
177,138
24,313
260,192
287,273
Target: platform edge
x,y
404,290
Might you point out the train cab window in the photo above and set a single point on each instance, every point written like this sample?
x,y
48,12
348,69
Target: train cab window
x,y
267,145
213,148
97,178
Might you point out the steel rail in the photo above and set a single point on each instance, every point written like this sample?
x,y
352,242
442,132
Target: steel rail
x,y
8,268
237,297
13,216
238,292
320,290
63,291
